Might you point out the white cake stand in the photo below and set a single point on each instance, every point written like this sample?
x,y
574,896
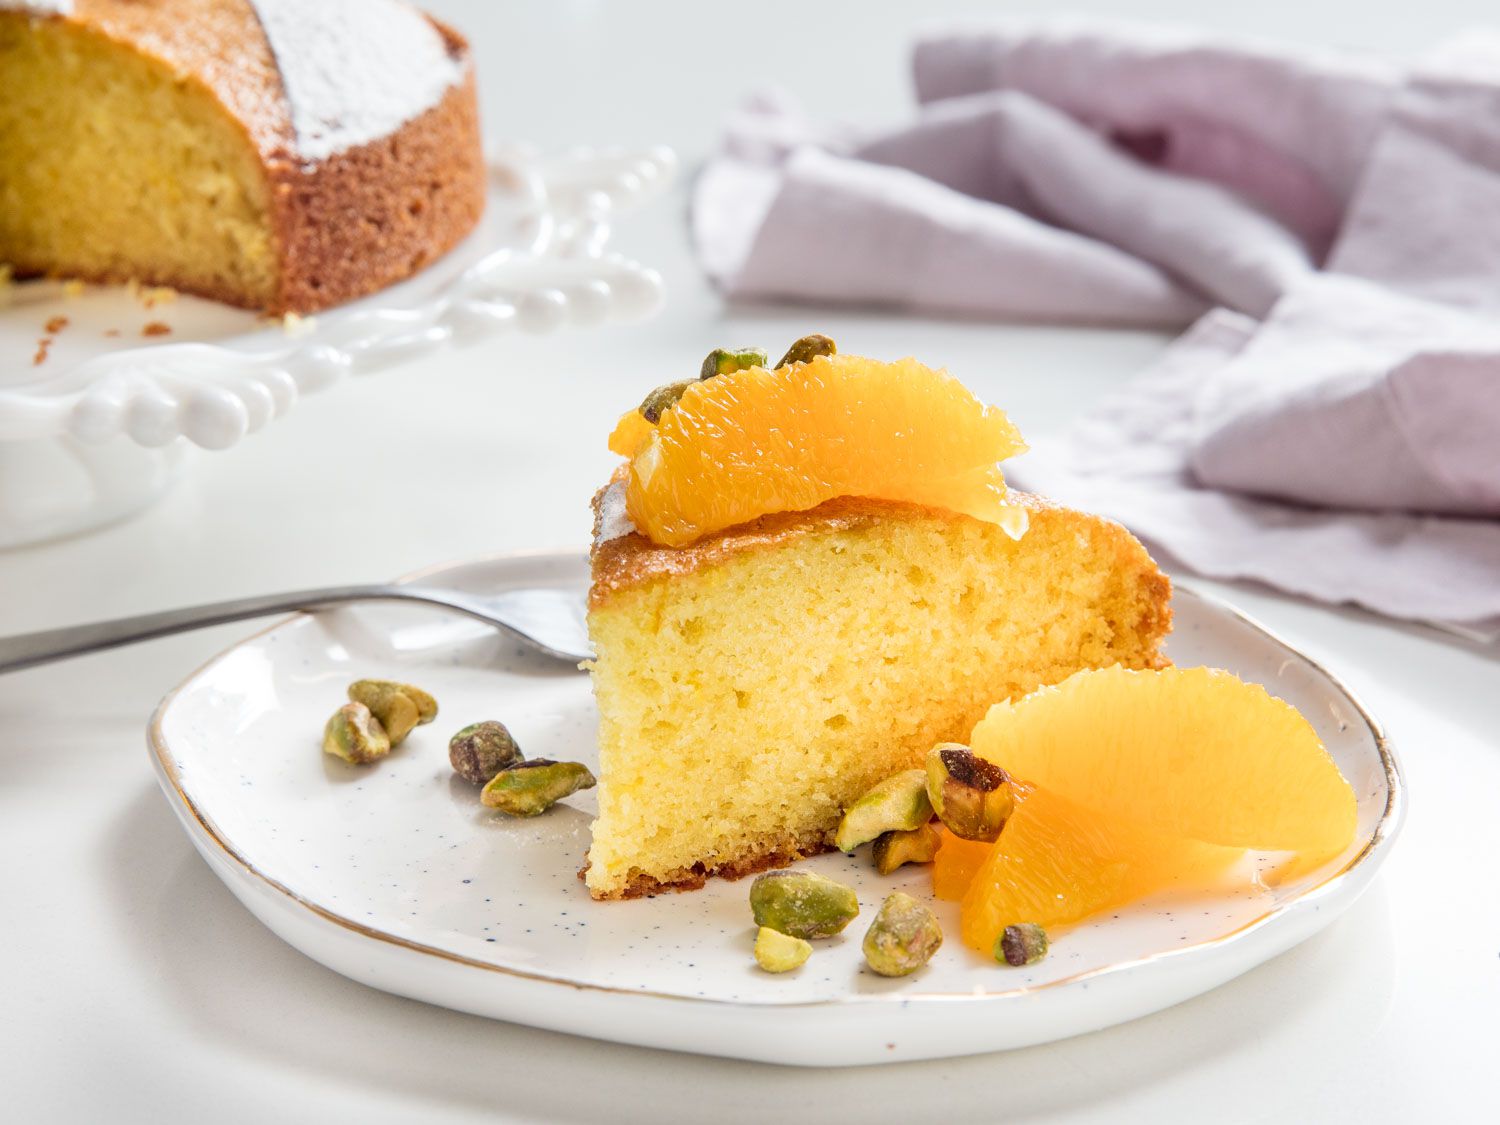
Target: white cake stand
x,y
101,427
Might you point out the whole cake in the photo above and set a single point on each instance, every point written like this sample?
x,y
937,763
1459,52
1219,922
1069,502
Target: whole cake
x,y
280,155
754,679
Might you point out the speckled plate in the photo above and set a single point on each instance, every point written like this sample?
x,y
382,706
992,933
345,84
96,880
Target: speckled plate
x,y
397,877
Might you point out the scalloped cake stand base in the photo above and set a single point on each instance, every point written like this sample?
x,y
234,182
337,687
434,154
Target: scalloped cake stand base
x,y
60,486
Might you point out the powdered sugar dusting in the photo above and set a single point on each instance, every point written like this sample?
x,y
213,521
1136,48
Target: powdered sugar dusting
x,y
614,523
354,70
48,7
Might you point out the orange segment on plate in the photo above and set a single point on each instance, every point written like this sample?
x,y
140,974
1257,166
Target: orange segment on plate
x,y
755,441
958,861
1057,863
1191,752
1132,784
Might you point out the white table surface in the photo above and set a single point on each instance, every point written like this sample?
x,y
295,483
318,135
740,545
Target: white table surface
x,y
134,988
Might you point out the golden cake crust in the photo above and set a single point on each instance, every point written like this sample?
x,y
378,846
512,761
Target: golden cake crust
x,y
627,561
375,214
218,44
769,854
344,226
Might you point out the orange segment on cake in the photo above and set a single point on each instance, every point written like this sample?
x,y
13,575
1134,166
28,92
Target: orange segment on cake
x,y
280,155
755,681
761,441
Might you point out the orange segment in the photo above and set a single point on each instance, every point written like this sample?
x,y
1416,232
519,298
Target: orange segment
x,y
1191,752
1138,784
958,861
630,433
1057,862
753,442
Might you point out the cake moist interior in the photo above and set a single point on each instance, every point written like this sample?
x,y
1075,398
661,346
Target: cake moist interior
x,y
114,167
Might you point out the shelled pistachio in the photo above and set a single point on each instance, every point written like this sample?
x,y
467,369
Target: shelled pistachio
x,y
726,361
808,348
531,788
776,952
893,849
970,795
903,937
398,706
898,804
1022,944
355,735
481,750
801,904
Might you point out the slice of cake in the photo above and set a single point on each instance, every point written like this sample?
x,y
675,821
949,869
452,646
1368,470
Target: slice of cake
x,y
280,155
754,680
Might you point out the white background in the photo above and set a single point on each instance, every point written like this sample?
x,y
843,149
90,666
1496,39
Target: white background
x,y
134,988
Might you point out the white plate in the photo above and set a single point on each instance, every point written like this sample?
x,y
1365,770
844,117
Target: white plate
x,y
397,877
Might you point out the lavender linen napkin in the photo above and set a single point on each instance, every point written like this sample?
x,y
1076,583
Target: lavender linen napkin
x,y
1333,428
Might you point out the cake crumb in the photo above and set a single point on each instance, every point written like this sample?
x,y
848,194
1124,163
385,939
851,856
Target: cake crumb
x,y
44,344
156,328
157,295
296,326
72,288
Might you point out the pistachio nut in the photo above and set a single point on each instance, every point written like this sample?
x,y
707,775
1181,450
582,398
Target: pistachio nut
x,y
776,952
801,904
725,361
399,707
919,845
1022,944
355,735
481,750
531,788
903,937
808,347
898,804
659,401
971,796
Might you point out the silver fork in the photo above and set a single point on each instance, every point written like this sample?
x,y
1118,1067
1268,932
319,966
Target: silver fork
x,y
549,621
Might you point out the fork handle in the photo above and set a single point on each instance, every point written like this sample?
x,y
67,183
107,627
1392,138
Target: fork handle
x,y
29,649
